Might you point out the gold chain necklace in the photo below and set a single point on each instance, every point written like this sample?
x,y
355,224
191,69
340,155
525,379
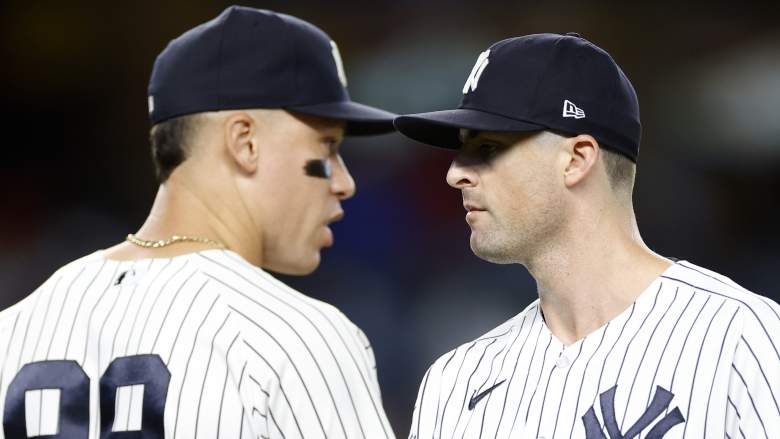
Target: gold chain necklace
x,y
157,243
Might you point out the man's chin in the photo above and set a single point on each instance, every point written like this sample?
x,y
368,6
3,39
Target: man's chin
x,y
488,252
300,267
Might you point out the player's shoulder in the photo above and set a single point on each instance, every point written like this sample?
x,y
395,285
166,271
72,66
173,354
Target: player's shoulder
x,y
9,316
238,278
252,292
96,257
504,333
754,309
69,270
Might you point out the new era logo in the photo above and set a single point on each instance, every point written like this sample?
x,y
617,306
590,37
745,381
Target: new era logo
x,y
476,72
571,110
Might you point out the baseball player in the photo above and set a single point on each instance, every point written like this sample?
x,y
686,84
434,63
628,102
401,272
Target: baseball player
x,y
622,342
179,332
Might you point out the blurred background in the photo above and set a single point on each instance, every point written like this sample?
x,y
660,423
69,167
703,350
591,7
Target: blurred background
x,y
76,173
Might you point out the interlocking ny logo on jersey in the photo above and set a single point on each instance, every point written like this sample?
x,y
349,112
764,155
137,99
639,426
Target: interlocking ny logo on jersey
x,y
660,402
571,110
476,72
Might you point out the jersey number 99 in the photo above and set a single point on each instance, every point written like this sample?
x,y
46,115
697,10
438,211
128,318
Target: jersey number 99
x,y
73,385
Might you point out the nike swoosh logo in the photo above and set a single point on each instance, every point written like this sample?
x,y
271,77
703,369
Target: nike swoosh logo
x,y
475,399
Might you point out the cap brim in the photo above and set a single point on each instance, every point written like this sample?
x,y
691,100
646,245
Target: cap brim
x,y
362,120
441,128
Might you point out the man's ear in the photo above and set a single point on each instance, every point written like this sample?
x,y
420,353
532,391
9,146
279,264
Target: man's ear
x,y
240,129
584,152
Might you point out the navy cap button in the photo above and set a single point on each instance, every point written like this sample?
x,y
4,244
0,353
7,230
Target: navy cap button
x,y
573,34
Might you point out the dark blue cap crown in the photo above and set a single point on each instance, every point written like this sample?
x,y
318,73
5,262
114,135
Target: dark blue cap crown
x,y
540,82
252,58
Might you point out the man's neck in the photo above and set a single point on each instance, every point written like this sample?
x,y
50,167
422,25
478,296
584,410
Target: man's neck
x,y
178,210
591,276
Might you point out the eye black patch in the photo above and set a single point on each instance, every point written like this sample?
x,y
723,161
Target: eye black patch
x,y
319,168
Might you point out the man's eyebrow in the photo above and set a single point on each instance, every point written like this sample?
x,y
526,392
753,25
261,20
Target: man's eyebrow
x,y
482,137
468,136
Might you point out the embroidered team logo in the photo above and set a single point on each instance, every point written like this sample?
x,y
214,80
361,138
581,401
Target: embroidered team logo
x,y
476,72
660,403
334,50
571,110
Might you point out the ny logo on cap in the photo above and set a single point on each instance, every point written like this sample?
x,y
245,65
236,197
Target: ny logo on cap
x,y
334,49
476,72
571,110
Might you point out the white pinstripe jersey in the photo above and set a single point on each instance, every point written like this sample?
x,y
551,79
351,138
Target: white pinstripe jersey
x,y
695,356
202,345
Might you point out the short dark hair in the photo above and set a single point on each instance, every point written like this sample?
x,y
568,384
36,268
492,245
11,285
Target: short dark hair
x,y
621,171
170,141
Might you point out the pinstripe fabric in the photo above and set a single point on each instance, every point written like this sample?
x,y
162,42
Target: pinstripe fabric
x,y
248,356
695,356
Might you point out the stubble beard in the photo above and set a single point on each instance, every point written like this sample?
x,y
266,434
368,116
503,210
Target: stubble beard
x,y
515,243
497,245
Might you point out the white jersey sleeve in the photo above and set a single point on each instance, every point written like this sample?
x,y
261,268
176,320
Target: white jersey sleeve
x,y
414,432
293,387
754,381
303,369
368,356
433,397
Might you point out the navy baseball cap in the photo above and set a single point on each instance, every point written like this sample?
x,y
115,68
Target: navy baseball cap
x,y
253,58
562,83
